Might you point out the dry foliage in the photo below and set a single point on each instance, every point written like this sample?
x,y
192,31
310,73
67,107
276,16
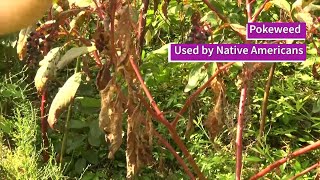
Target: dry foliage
x,y
216,115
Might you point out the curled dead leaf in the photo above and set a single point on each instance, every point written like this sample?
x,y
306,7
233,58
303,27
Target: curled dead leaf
x,y
110,118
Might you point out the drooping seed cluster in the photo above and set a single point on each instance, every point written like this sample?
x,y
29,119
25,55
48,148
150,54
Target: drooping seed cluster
x,y
200,31
34,46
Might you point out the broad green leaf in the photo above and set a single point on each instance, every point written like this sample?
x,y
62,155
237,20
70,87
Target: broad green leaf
x,y
77,124
89,102
80,165
162,50
253,159
91,156
283,4
63,98
148,37
239,28
196,75
316,107
72,54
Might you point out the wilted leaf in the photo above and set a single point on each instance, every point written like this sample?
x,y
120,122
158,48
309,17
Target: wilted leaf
x,y
138,151
110,118
63,98
72,54
47,69
239,28
283,4
21,45
216,115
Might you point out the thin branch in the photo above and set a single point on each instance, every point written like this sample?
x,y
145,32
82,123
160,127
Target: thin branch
x,y
221,16
255,16
283,160
242,103
265,101
306,171
172,131
195,94
174,153
156,133
249,10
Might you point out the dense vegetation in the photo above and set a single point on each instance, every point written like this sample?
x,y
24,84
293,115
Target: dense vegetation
x,y
93,95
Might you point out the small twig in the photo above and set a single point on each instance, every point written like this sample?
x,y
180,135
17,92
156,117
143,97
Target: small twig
x,y
306,171
255,16
265,101
283,160
174,153
195,94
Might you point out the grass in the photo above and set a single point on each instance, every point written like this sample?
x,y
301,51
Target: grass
x,y
21,157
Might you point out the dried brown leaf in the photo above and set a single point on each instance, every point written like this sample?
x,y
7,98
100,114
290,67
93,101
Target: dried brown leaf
x,y
139,149
110,118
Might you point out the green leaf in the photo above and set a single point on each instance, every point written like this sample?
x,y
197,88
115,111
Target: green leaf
x,y
77,124
253,159
72,54
89,102
283,4
316,107
91,156
196,75
80,165
94,134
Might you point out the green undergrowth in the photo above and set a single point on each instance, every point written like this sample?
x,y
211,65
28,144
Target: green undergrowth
x,y
20,147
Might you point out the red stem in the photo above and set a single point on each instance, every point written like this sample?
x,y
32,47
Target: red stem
x,y
172,131
283,160
174,153
306,171
195,94
44,127
249,10
255,16
242,103
222,17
